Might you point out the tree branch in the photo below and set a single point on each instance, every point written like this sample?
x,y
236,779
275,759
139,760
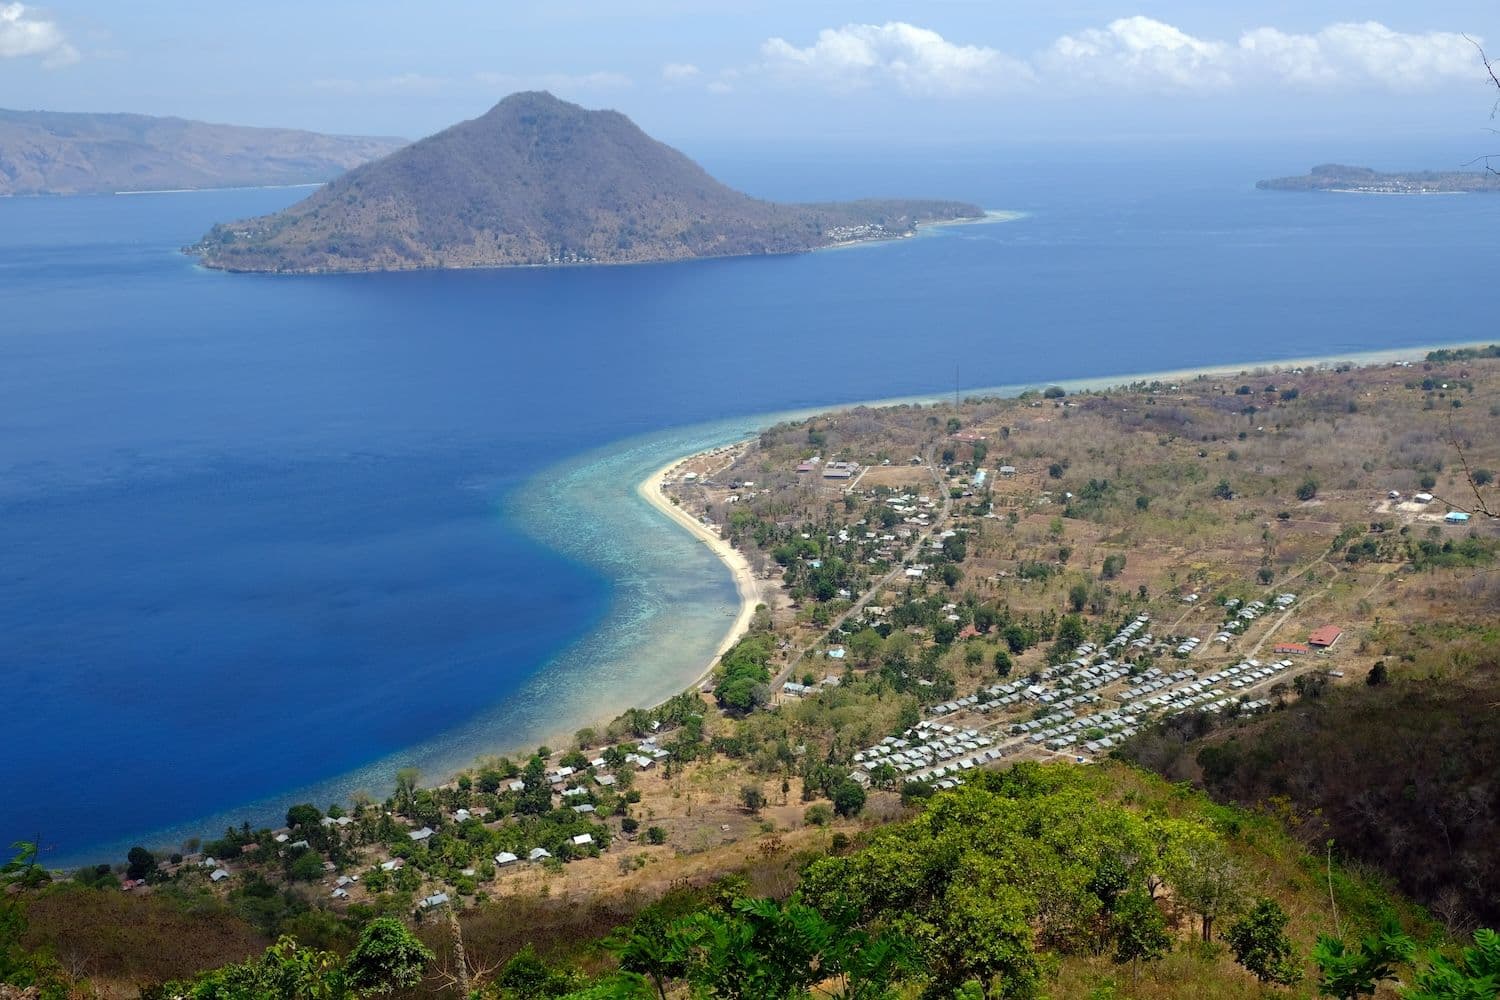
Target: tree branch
x,y
1480,506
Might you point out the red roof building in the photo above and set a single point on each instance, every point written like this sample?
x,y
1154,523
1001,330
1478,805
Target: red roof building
x,y
1293,647
1325,636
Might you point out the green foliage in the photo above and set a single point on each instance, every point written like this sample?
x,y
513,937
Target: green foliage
x,y
1473,975
1139,928
306,867
286,970
758,949
23,870
744,673
1308,489
818,814
848,797
24,967
1348,972
142,863
303,816
1033,857
388,958
1260,943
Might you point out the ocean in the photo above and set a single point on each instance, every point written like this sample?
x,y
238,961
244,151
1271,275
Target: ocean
x,y
267,539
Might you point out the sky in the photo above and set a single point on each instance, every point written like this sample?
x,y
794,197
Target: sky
x,y
689,71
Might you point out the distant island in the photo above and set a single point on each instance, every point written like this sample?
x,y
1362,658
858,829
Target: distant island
x,y
539,181
63,153
1363,180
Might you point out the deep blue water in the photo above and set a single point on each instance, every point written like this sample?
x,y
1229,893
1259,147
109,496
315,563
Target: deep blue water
x,y
266,535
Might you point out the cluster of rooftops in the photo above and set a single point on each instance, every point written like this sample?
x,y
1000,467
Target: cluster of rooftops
x,y
928,751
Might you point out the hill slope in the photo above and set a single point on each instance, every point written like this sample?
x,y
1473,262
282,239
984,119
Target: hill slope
x,y
48,152
539,181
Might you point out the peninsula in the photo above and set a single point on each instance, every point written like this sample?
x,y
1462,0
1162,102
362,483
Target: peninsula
x,y
60,153
539,181
1363,180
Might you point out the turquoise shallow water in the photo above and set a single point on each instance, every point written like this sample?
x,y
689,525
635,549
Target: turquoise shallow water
x,y
269,539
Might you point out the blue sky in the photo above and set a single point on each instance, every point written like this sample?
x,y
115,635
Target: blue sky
x,y
938,70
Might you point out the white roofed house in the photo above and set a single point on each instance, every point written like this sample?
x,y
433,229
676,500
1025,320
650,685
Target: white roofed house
x,y
419,836
505,858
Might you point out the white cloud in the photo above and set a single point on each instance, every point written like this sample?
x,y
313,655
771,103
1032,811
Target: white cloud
x,y
679,72
1359,54
22,34
916,59
1127,55
1141,53
1136,51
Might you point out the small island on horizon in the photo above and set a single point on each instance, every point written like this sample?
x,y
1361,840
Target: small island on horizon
x,y
538,181
58,153
1343,179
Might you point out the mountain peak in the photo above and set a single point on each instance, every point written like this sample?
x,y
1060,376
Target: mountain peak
x,y
539,180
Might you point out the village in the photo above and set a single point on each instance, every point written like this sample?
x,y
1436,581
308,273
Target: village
x,y
944,590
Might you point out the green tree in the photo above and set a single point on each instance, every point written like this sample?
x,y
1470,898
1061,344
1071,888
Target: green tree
x,y
1018,638
1140,931
759,949
1078,596
848,797
1347,973
1206,880
865,645
305,815
752,798
406,786
24,869
1071,632
141,863
387,958
527,977
306,867
653,947
1260,943
1002,663
286,970
536,793
1223,491
982,934
1473,975
1308,489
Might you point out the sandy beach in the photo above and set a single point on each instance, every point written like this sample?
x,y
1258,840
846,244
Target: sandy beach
x,y
744,577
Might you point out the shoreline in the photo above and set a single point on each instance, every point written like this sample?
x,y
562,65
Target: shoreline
x,y
731,431
745,582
